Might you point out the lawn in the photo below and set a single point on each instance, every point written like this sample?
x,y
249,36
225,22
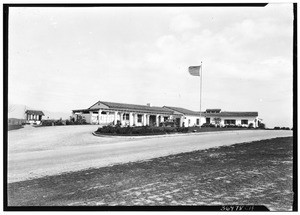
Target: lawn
x,y
14,127
256,173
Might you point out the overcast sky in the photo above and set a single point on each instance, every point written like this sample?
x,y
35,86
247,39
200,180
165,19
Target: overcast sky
x,y
69,58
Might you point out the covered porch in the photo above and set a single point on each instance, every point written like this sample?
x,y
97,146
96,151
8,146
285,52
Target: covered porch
x,y
121,117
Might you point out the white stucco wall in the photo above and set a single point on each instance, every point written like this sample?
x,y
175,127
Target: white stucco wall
x,y
237,119
193,120
87,117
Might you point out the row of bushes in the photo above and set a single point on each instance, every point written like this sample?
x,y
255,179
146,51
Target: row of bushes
x,y
78,122
143,130
50,122
261,126
282,128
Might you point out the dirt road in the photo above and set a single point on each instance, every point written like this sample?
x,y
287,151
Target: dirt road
x,y
36,152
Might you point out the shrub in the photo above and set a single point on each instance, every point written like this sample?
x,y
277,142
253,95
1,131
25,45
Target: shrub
x,y
231,126
208,125
170,129
69,122
262,126
183,129
276,128
251,125
58,122
47,122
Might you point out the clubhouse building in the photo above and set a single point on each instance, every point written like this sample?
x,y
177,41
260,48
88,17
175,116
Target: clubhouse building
x,y
105,113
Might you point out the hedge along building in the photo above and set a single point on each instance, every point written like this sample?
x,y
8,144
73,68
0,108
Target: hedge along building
x,y
216,116
126,114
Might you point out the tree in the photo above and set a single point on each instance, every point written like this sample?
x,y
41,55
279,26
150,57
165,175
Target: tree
x,y
262,126
217,121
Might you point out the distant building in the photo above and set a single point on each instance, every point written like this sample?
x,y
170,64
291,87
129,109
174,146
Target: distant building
x,y
34,116
216,116
140,115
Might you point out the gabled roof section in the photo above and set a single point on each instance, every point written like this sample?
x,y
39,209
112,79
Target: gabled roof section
x,y
213,110
183,111
97,105
35,112
129,107
134,107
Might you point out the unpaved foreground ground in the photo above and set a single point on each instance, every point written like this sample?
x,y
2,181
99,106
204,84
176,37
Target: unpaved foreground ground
x,y
256,173
37,152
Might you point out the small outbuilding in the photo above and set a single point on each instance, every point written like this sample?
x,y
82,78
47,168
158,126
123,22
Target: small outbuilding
x,y
34,116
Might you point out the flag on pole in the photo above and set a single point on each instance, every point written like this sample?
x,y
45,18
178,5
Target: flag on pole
x,y
194,70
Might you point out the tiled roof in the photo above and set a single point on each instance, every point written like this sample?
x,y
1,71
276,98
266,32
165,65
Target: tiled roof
x,y
35,112
232,114
134,107
183,110
166,110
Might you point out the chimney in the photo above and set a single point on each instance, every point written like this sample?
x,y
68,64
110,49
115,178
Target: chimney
x,y
149,104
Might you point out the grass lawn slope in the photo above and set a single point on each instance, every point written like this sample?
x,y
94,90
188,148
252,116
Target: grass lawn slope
x,y
255,173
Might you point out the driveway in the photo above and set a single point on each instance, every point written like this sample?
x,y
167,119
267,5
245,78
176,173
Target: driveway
x,y
36,152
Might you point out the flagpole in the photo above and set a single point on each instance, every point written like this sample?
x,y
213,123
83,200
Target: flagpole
x,y
200,93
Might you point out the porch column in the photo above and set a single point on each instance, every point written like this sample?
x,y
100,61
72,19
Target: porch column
x,y
183,121
144,119
107,114
148,119
99,116
115,119
136,119
130,119
90,115
180,122
121,118
157,120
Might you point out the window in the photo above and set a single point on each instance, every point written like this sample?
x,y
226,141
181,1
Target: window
x,y
139,119
244,121
229,121
126,116
189,121
198,122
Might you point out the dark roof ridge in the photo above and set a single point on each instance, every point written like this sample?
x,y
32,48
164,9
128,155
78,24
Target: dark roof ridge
x,y
239,112
106,103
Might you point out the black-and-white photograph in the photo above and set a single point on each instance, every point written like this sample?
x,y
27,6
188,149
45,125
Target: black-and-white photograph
x,y
119,106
